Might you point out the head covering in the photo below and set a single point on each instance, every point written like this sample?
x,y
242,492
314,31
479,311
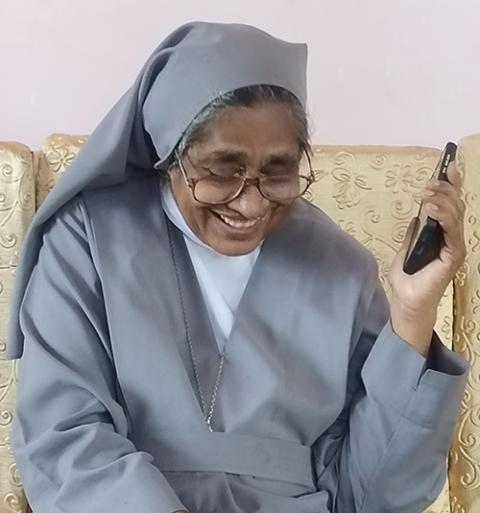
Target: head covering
x,y
194,65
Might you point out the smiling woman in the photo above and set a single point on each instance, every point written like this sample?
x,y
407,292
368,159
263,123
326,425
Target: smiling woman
x,y
259,136
195,336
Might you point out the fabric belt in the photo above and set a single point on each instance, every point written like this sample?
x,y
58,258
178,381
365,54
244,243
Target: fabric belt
x,y
234,454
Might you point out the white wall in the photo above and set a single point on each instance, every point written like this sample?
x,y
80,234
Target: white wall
x,y
381,71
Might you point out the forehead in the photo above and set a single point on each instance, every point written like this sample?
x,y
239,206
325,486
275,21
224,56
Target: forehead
x,y
266,128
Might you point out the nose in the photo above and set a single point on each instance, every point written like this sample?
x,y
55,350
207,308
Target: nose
x,y
250,203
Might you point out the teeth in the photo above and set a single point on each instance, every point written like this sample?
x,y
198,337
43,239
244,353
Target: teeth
x,y
238,224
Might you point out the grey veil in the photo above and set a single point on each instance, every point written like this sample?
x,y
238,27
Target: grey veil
x,y
195,64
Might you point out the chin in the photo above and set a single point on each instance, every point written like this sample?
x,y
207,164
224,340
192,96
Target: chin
x,y
234,248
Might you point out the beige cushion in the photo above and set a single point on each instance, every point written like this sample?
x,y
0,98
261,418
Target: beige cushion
x,y
465,453
17,206
56,154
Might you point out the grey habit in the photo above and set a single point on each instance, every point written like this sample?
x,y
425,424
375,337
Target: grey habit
x,y
321,408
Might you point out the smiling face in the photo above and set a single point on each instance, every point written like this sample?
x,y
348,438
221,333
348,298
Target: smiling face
x,y
260,139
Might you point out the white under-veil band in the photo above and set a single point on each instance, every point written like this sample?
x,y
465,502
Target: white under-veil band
x,y
195,64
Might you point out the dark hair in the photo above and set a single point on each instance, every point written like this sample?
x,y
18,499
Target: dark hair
x,y
248,97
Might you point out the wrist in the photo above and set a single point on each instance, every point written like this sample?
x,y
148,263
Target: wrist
x,y
414,327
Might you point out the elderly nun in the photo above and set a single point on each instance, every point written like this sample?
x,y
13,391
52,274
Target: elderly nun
x,y
196,337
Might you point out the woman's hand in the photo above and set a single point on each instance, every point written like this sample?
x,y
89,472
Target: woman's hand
x,y
415,297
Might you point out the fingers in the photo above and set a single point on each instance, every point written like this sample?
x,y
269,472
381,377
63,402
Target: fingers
x,y
448,218
443,193
454,176
442,202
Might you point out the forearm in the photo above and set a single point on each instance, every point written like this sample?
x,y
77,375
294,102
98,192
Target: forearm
x,y
398,430
73,454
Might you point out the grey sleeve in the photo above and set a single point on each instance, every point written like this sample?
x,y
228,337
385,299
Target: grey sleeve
x,y
70,433
387,450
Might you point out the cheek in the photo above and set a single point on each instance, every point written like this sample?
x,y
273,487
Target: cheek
x,y
198,218
191,210
278,217
203,218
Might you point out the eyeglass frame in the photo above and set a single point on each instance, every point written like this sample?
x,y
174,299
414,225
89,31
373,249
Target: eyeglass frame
x,y
192,182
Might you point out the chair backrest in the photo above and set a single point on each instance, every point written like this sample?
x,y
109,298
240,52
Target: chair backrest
x,y
372,192
17,207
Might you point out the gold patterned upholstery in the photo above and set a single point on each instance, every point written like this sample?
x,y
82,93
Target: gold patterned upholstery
x,y
56,154
465,453
17,206
372,193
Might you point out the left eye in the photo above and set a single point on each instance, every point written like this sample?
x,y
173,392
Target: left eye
x,y
226,171
278,171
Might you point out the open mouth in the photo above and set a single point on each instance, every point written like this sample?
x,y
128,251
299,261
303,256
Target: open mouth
x,y
236,224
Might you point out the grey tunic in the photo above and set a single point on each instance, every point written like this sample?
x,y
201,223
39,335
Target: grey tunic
x,y
322,408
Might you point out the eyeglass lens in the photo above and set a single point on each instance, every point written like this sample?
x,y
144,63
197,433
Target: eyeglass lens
x,y
215,189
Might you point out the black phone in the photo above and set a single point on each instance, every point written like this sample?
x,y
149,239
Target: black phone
x,y
427,238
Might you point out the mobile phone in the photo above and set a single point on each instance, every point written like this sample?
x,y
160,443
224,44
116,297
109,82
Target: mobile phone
x,y
427,238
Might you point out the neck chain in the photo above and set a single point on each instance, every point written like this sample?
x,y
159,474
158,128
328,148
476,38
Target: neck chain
x,y
207,412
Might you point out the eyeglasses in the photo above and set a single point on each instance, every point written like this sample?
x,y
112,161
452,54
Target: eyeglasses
x,y
226,183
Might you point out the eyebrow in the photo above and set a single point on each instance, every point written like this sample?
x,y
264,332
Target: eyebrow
x,y
237,156
226,155
281,159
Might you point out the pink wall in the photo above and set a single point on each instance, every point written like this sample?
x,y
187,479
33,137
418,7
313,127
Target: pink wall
x,y
383,72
